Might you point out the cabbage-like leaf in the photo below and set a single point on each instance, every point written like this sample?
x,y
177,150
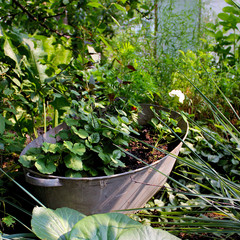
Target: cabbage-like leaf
x,y
116,226
54,224
146,233
106,226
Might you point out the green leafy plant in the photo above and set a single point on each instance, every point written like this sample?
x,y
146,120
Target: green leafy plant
x,y
88,144
74,225
226,35
162,125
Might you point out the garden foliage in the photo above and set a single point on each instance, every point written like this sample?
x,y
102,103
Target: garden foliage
x,y
46,65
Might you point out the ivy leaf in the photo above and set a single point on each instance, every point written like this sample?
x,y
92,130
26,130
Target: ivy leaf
x,y
74,162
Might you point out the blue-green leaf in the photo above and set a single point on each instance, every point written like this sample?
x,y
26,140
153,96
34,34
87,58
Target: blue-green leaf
x,y
54,224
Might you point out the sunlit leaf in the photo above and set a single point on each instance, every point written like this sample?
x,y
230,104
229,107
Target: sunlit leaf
x,y
54,224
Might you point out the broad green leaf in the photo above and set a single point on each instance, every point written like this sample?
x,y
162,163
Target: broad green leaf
x,y
107,133
117,163
54,224
114,120
107,226
122,112
97,148
33,63
68,145
80,132
105,157
117,154
27,161
146,233
94,138
125,119
8,91
231,10
46,165
230,2
95,4
71,122
51,147
74,162
10,51
119,7
223,16
16,81
78,148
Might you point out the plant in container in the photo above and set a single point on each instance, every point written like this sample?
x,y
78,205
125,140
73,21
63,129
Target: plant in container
x,y
82,163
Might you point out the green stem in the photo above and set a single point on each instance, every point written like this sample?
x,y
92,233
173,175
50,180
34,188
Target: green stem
x,y
55,118
44,116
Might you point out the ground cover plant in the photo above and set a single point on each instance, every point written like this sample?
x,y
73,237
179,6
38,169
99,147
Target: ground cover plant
x,y
201,199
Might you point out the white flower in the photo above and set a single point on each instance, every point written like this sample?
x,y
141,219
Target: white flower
x,y
177,93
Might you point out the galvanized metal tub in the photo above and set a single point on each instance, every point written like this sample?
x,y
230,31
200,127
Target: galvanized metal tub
x,y
91,195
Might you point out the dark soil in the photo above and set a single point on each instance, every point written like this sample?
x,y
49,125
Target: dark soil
x,y
141,151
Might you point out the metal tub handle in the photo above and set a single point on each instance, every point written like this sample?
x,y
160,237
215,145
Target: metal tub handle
x,y
42,182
